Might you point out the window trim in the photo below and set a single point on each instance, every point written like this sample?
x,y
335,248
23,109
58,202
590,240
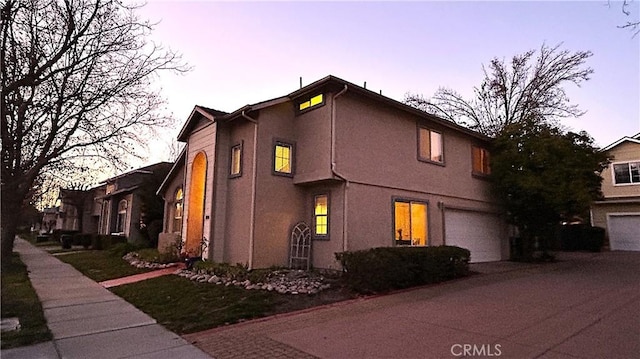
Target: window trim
x,y
613,173
419,155
283,143
239,145
122,222
174,210
316,236
409,200
473,169
311,106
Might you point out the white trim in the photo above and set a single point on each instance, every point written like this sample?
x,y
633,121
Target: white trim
x,y
624,139
613,173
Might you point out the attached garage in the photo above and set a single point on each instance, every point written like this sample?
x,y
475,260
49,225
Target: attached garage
x,y
481,233
624,231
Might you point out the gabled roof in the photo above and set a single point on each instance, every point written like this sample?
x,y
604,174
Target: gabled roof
x,y
633,139
330,82
177,166
198,113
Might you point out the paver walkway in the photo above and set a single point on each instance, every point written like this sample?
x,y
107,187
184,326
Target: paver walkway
x,y
142,276
88,321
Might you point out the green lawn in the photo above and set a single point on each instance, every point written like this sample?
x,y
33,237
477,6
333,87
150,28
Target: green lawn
x,y
185,306
100,265
20,300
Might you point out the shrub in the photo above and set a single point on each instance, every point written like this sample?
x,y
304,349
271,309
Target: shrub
x,y
81,239
238,271
57,234
581,237
106,241
383,269
152,255
120,249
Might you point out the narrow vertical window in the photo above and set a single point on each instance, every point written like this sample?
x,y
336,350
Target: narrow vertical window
x,y
236,161
283,158
321,216
177,211
410,220
481,163
122,216
430,146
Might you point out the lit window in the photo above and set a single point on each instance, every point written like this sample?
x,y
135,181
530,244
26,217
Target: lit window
x,y
315,100
626,173
122,216
283,156
481,161
321,216
177,211
430,145
410,219
236,160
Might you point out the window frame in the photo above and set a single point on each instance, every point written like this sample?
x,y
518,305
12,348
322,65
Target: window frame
x,y
424,202
174,210
419,143
292,153
122,222
311,106
481,173
315,235
239,146
628,163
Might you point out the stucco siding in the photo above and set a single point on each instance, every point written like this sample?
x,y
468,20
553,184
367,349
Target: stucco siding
x,y
625,152
202,140
313,136
599,211
378,145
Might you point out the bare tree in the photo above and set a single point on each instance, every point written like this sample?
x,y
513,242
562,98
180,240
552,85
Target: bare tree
x,y
631,25
528,87
76,79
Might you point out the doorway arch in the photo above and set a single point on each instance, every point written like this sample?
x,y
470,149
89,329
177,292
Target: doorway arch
x,y
195,214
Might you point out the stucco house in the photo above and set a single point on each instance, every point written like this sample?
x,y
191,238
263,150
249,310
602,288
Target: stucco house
x,y
360,169
120,203
619,211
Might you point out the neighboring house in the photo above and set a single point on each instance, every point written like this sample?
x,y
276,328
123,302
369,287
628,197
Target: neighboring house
x,y
80,209
121,203
619,212
49,219
361,169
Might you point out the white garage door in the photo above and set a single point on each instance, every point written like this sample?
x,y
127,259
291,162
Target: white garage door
x,y
624,232
480,233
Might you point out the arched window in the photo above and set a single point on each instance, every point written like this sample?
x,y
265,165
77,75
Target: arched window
x,y
122,216
177,211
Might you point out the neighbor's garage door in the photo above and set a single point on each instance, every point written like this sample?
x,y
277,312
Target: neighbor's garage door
x,y
480,233
624,232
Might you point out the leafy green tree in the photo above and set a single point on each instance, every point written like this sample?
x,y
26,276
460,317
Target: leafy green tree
x,y
543,175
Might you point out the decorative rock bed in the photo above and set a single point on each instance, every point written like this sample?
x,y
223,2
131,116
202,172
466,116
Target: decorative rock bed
x,y
283,281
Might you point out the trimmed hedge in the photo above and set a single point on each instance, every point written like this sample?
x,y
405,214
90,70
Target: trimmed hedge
x,y
582,237
106,241
387,268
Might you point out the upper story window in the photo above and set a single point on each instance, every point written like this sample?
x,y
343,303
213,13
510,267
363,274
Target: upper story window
x,y
283,158
626,173
313,101
430,146
177,211
481,163
321,216
236,161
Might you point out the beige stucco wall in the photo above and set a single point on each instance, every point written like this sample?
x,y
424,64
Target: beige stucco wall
x,y
202,139
600,212
625,152
313,134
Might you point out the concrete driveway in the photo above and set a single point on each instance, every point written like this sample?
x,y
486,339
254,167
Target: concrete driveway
x,y
585,306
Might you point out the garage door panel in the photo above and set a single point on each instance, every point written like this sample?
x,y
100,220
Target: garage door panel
x,y
480,233
624,232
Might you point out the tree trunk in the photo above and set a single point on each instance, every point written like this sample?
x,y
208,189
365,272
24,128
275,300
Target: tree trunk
x,y
10,217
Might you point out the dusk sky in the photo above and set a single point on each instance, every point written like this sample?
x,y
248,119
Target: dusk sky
x,y
247,52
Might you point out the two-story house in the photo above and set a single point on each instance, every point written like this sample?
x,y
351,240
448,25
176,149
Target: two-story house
x,y
361,169
619,211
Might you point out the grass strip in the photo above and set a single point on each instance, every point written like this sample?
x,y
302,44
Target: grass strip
x,y
185,306
20,300
101,265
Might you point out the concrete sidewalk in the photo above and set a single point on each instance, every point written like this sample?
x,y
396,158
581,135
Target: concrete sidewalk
x,y
88,321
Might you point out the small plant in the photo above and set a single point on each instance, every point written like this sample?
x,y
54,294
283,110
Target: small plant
x,y
152,255
121,249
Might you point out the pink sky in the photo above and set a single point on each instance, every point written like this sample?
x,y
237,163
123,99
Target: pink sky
x,y
247,52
